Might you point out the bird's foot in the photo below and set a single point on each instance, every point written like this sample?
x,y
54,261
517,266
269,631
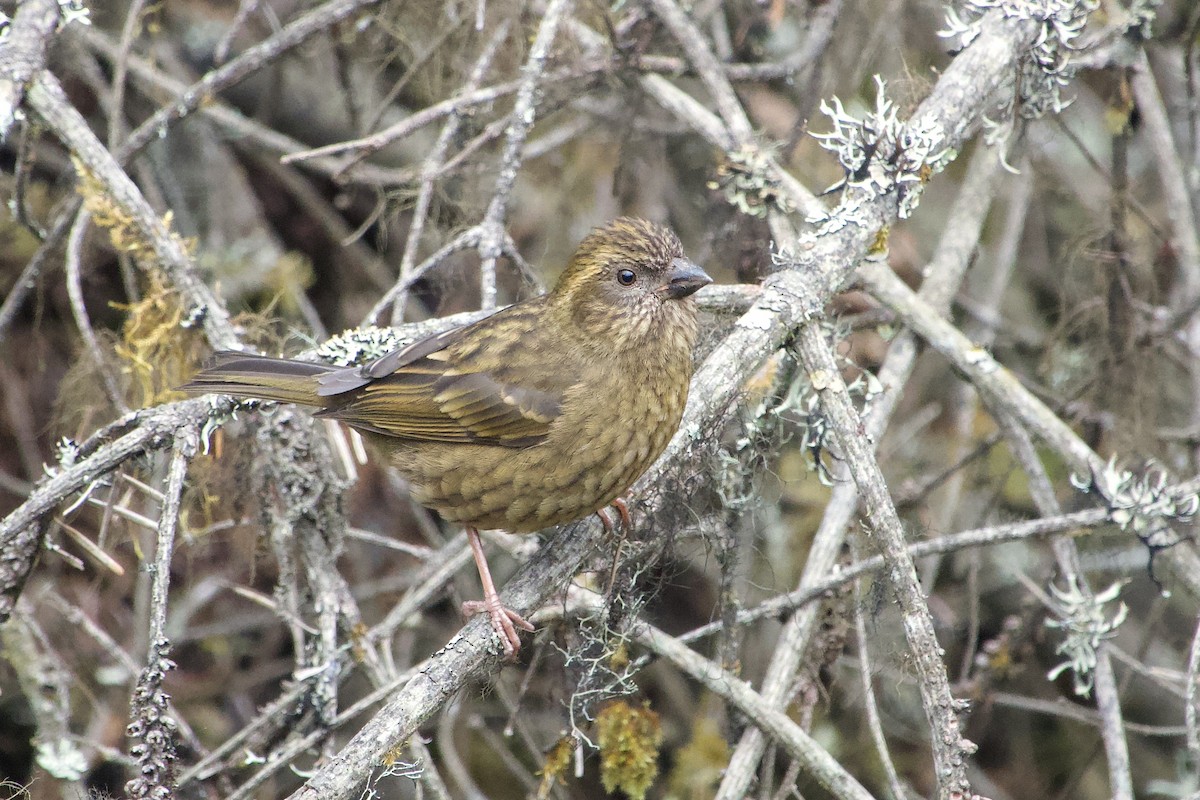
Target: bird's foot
x,y
622,512
504,620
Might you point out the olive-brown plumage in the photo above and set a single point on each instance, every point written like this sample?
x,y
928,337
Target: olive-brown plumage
x,y
538,415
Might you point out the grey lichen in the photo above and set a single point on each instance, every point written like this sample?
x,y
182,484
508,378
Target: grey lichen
x,y
801,404
1148,504
66,452
360,345
1085,623
881,153
152,729
597,657
749,182
74,11
1049,66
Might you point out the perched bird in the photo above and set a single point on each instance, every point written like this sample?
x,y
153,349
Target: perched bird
x,y
538,415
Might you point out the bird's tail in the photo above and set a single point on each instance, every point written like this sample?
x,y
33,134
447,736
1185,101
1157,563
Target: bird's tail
x,y
262,377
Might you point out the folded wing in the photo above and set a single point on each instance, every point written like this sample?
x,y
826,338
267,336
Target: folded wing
x,y
487,383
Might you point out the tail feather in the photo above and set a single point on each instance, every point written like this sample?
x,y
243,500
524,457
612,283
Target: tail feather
x,y
261,377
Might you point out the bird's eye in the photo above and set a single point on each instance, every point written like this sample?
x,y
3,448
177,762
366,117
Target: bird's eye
x,y
626,277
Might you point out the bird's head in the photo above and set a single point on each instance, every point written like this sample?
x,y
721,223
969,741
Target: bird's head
x,y
630,280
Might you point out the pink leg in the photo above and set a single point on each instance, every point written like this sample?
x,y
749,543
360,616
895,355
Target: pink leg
x,y
623,512
605,520
505,621
626,529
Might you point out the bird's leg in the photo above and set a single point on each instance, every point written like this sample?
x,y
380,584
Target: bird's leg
x,y
623,513
505,621
605,520
626,528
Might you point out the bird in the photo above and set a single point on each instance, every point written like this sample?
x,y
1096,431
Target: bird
x,y
537,415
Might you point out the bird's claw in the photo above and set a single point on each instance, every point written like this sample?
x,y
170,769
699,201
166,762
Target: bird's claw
x,y
622,512
504,621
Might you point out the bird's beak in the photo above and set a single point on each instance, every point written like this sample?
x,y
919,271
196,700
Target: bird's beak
x,y
684,279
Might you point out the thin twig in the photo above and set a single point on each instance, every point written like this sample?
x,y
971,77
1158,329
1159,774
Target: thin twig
x,y
153,733
1181,212
491,229
981,537
47,98
431,167
83,322
251,60
1108,701
866,681
1190,707
129,31
734,690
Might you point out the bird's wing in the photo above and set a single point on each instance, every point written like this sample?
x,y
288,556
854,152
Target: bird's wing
x,y
485,383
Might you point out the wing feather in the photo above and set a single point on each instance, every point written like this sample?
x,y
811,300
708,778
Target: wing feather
x,y
486,383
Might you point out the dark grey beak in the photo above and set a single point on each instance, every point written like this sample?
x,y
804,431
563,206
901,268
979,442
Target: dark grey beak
x,y
684,279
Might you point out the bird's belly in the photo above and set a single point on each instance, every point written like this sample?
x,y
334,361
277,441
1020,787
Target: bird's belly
x,y
581,467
